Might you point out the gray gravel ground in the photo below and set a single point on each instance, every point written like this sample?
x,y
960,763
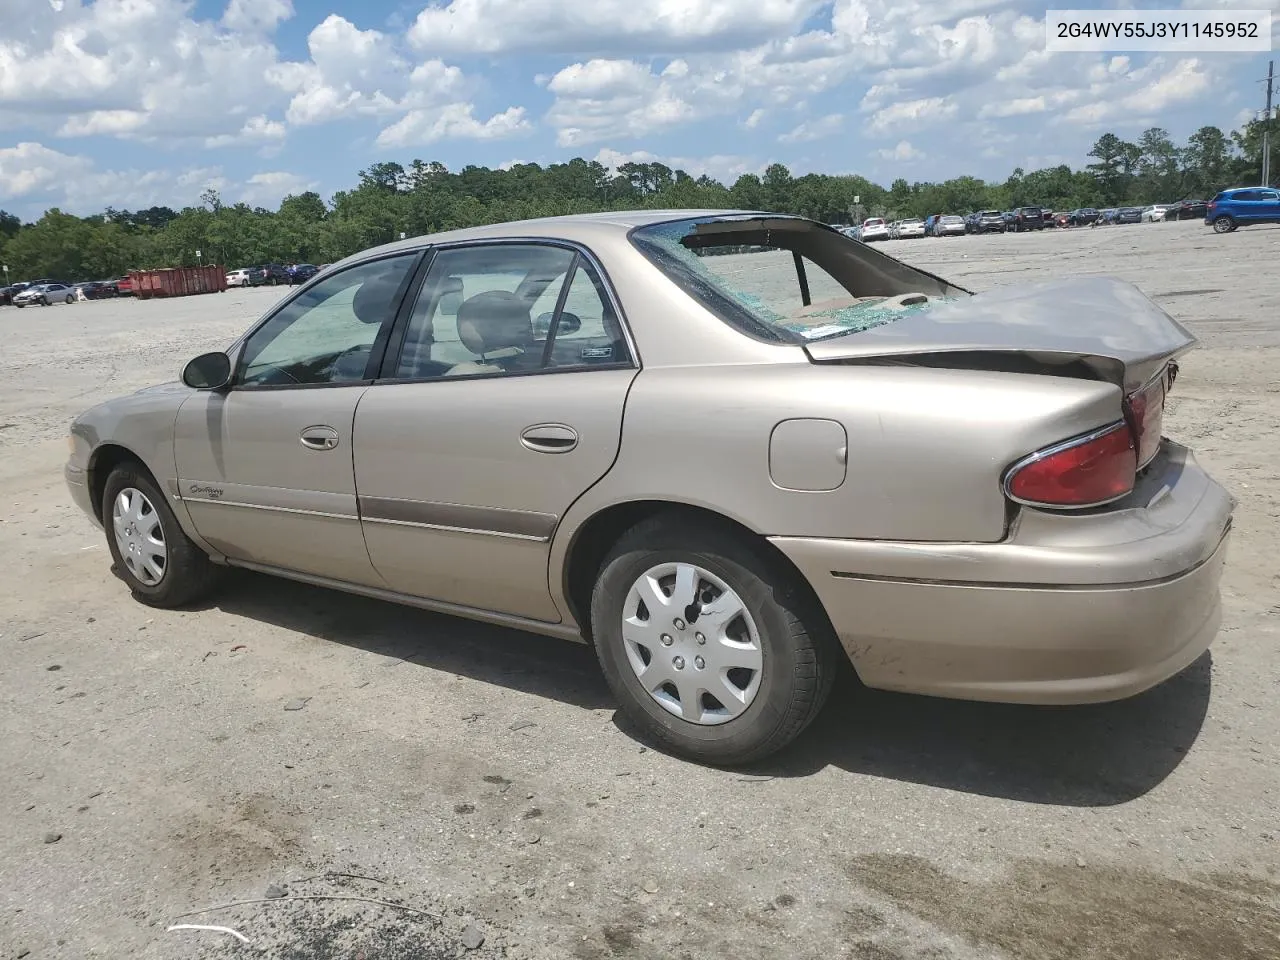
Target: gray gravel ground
x,y
478,775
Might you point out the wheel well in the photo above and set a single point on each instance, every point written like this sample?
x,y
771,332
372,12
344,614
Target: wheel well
x,y
593,541
106,458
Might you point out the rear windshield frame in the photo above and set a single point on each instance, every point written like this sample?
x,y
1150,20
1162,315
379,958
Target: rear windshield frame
x,y
887,275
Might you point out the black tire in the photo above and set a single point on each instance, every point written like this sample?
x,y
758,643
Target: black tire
x,y
1223,224
189,574
70,299
799,649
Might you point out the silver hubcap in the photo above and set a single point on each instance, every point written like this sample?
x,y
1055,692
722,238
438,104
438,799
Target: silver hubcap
x,y
692,643
139,536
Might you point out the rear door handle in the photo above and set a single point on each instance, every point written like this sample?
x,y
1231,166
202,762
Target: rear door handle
x,y
319,438
549,438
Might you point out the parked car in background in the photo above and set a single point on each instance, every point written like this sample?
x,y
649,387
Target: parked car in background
x,y
302,272
1190,210
245,277
949,225
1128,215
910,229
1084,216
124,286
1028,218
45,294
274,274
986,221
1155,212
95,289
6,296
873,228
1061,551
1232,209
1060,219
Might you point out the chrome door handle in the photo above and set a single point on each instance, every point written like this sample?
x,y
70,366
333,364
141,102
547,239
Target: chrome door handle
x,y
319,438
549,438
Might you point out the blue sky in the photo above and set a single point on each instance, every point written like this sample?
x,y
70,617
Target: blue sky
x,y
129,103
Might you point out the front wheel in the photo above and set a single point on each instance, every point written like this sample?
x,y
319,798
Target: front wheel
x,y
70,299
1223,225
711,647
152,554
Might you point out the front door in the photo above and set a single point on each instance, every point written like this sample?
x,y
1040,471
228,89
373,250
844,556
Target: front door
x,y
265,467
502,407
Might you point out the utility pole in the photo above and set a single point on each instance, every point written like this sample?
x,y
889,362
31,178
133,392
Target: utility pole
x,y
1266,127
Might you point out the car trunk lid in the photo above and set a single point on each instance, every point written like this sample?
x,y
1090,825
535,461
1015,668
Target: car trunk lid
x,y
1104,325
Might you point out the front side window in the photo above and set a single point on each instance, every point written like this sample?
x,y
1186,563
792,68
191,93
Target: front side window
x,y
327,333
488,310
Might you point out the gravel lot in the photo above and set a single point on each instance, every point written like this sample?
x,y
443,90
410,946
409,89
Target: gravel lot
x,y
153,764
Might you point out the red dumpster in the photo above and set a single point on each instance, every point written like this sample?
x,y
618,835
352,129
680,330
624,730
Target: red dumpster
x,y
178,281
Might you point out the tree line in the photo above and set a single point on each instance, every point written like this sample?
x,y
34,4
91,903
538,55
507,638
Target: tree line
x,y
391,199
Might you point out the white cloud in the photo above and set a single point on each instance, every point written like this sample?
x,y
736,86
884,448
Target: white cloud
x,y
45,177
551,26
454,121
259,130
1118,93
904,152
827,126
912,114
32,167
250,16
753,120
723,167
268,189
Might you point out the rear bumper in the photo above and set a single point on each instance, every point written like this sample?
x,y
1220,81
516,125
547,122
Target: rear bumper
x,y
1053,615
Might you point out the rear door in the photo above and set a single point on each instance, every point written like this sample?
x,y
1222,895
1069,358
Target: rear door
x,y
1270,205
502,406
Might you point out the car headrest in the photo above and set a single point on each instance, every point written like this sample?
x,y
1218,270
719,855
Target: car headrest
x,y
492,320
377,295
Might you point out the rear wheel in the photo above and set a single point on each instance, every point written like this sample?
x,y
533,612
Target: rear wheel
x,y
711,648
70,298
1223,224
159,562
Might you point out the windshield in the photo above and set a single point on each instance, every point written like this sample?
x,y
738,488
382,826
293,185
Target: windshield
x,y
787,279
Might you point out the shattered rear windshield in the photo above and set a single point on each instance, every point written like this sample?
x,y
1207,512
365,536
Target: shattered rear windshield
x,y
788,283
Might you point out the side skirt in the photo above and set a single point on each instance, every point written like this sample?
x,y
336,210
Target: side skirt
x,y
557,630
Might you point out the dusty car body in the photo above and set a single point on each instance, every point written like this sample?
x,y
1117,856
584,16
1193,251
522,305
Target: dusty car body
x,y
721,447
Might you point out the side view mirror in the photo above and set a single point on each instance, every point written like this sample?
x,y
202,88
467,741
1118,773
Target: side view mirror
x,y
569,323
209,371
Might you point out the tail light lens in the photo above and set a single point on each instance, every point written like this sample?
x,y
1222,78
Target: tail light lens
x,y
1145,413
1085,472
1102,466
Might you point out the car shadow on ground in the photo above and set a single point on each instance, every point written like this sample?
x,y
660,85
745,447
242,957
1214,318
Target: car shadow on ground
x,y
1090,756
542,666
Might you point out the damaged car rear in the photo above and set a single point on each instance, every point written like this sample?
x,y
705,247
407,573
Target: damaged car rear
x,y
726,448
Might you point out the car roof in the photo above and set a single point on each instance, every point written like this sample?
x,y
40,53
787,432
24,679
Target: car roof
x,y
573,227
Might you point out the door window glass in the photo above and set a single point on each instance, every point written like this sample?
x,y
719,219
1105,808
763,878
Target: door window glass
x,y
491,310
327,333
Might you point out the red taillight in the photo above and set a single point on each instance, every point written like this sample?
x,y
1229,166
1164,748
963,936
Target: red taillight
x,y
1145,410
1084,472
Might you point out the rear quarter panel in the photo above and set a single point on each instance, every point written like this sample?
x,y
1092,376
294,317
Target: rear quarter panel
x,y
926,448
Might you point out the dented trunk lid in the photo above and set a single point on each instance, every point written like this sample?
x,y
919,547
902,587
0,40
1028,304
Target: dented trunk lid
x,y
1107,324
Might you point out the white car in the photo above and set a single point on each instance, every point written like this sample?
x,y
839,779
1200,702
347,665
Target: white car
x,y
909,229
873,228
1155,213
239,278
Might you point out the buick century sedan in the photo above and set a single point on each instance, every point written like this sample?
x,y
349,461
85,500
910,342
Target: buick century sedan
x,y
728,449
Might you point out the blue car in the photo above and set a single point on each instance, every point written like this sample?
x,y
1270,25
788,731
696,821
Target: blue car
x,y
1242,206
